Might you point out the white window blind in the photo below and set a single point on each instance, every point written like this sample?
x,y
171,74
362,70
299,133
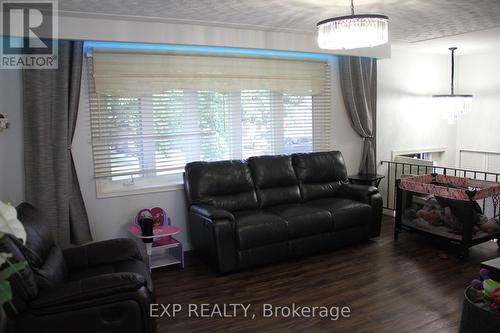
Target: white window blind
x,y
153,113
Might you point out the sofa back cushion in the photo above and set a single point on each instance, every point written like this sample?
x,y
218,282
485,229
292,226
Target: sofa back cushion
x,y
226,185
43,255
274,179
319,174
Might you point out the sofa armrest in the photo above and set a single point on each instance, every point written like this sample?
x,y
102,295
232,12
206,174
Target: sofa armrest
x,y
104,252
361,193
88,289
213,236
368,195
211,212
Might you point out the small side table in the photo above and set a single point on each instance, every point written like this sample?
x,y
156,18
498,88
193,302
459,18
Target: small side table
x,y
366,179
162,248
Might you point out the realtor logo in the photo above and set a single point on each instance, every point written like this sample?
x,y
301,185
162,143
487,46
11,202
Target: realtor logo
x,y
29,30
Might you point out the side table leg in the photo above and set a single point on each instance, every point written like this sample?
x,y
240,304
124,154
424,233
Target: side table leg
x,y
182,256
149,251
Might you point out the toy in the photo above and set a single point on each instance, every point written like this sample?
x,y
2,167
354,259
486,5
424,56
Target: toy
x,y
157,214
489,288
489,226
432,217
451,221
431,212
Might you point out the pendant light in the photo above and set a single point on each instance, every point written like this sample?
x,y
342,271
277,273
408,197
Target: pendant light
x,y
353,31
453,106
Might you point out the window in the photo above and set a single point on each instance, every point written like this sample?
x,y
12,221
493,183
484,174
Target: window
x,y
153,113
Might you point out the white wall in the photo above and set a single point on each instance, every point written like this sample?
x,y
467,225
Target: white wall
x,y
116,28
479,74
405,117
11,140
110,216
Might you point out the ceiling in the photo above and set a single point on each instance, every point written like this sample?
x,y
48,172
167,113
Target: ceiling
x,y
471,42
410,20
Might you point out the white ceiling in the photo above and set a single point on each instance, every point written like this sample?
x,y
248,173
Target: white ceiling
x,y
410,20
472,42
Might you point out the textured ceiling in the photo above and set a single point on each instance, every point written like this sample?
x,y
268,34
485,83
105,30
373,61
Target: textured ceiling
x,y
410,20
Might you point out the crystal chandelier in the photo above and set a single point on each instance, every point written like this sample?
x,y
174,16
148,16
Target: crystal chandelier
x,y
353,31
453,106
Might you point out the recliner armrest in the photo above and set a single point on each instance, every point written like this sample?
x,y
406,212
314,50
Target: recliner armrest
x,y
88,289
361,193
103,252
211,212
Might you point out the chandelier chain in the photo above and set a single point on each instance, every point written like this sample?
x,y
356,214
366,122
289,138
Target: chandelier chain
x,y
352,7
452,70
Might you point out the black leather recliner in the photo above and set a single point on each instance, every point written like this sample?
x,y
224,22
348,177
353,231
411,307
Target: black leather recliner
x,y
249,213
99,287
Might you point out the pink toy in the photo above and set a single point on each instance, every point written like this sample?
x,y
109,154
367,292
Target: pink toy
x,y
157,214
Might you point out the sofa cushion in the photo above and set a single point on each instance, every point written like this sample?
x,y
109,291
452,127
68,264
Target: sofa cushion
x,y
274,179
257,228
346,213
304,220
53,271
226,185
319,174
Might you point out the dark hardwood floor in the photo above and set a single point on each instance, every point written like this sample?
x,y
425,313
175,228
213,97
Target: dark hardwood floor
x,y
389,287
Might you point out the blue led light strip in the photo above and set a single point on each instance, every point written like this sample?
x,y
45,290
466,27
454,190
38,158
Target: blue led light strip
x,y
205,49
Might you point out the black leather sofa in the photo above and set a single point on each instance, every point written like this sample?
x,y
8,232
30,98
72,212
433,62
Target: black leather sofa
x,y
268,208
99,287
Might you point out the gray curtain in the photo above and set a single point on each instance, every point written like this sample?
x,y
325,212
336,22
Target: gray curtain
x,y
50,110
358,81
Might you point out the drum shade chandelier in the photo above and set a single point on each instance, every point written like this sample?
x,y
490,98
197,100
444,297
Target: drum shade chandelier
x,y
453,106
353,31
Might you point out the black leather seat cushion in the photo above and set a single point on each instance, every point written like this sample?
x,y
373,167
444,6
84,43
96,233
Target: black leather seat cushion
x,y
320,174
346,213
226,185
274,179
132,266
304,220
257,228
